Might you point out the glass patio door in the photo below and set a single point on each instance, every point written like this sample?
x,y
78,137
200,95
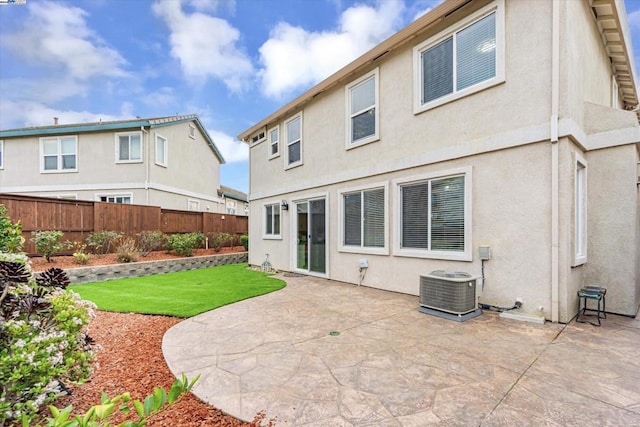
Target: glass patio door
x,y
310,239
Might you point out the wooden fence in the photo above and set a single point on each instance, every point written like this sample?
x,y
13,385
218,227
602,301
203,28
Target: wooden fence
x,y
78,218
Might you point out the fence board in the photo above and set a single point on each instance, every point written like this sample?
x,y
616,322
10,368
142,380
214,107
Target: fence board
x,y
78,218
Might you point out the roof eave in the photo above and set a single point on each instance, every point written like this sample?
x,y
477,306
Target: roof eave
x,y
401,37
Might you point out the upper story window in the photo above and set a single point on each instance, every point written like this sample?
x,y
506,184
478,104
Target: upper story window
x,y
59,154
293,130
614,93
580,200
116,198
128,147
271,225
192,131
434,218
1,154
364,220
274,142
161,150
362,107
258,136
461,60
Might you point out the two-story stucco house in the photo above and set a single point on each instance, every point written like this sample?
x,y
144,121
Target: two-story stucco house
x,y
500,124
170,162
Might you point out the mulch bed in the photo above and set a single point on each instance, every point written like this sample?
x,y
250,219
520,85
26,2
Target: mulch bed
x,y
129,359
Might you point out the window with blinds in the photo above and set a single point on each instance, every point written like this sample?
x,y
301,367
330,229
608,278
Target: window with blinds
x,y
293,129
433,215
272,220
364,219
461,60
362,107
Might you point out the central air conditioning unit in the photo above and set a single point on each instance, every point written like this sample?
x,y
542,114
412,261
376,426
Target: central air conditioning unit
x,y
448,294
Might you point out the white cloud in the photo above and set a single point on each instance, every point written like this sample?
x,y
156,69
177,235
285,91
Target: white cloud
x,y
206,46
30,113
232,150
57,36
212,5
634,19
294,58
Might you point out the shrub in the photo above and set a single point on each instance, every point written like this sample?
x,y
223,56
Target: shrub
x,y
244,241
183,244
102,242
49,243
149,241
42,337
80,255
127,251
11,239
98,415
219,240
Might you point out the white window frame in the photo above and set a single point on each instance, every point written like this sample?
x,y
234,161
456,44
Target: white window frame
x,y
272,236
193,205
497,7
271,131
258,136
59,154
349,143
192,131
615,92
114,196
341,212
165,150
2,154
70,196
467,254
117,139
288,165
580,210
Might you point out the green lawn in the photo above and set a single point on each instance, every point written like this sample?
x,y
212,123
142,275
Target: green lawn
x,y
182,294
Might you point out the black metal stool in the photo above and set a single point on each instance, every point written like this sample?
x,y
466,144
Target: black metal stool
x,y
595,293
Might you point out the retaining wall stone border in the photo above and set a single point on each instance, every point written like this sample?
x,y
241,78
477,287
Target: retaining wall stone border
x,y
148,268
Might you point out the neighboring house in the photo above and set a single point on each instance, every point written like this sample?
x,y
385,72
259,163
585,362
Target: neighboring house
x,y
169,162
483,123
235,201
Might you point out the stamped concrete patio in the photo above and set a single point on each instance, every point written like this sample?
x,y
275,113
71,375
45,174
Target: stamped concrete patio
x,y
393,366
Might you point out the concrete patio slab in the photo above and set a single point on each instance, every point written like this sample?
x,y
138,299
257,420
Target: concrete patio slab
x,y
322,353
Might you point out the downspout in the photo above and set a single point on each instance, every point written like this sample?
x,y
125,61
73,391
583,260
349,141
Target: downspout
x,y
147,165
555,101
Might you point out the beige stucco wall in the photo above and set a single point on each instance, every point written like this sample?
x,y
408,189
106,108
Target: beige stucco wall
x,y
502,134
613,232
192,172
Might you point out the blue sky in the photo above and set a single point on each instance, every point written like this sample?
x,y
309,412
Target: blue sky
x,y
232,62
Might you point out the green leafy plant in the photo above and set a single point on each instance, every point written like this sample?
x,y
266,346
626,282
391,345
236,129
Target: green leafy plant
x,y
149,241
42,337
98,415
103,242
183,244
11,239
49,243
244,241
80,255
219,240
126,250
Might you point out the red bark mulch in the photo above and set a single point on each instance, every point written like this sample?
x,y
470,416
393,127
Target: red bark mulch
x,y
130,359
